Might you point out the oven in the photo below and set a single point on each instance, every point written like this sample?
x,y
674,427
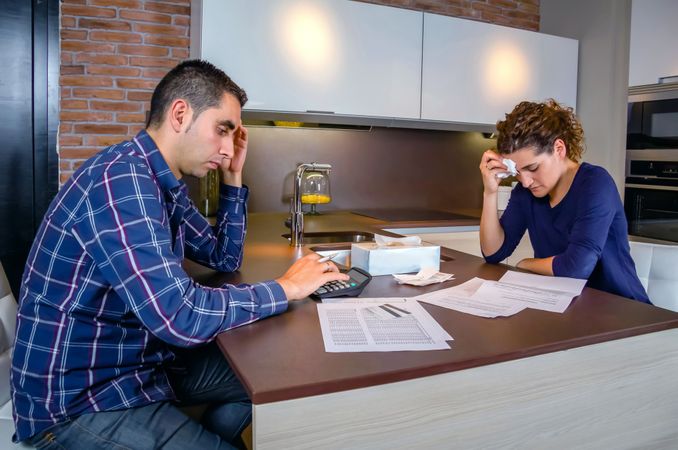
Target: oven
x,y
652,118
651,194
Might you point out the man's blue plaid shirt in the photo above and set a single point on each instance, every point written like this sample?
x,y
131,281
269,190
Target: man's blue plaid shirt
x,y
104,293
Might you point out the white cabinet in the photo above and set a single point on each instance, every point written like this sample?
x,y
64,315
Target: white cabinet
x,y
476,72
469,242
653,50
343,57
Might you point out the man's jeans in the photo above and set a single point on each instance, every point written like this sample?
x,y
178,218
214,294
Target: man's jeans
x,y
201,375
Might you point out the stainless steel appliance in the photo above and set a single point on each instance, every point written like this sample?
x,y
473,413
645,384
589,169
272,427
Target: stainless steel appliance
x,y
653,118
651,190
651,198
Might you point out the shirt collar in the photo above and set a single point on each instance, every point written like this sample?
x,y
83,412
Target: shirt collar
x,y
156,162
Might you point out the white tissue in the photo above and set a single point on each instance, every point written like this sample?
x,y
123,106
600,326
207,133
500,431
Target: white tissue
x,y
426,276
386,241
511,172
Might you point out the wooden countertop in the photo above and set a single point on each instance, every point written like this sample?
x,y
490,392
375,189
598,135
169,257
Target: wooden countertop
x,y
283,357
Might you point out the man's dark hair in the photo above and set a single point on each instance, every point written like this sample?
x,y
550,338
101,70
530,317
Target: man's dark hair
x,y
198,82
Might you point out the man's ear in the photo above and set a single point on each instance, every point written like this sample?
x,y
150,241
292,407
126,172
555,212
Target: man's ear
x,y
559,148
179,115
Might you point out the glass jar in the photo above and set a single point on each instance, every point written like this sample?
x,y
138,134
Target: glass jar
x,y
208,198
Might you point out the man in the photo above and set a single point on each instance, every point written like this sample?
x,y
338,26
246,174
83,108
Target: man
x,y
108,318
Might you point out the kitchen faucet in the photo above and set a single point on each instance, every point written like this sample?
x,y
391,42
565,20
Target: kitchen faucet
x,y
297,215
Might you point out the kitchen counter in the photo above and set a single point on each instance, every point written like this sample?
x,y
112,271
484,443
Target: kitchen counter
x,y
604,350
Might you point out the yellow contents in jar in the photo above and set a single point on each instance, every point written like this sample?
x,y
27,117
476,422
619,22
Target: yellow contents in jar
x,y
315,198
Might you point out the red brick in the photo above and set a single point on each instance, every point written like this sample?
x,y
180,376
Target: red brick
x,y
118,25
67,22
534,9
170,30
86,11
180,53
131,4
77,35
73,104
105,141
485,8
113,36
141,16
65,128
131,118
182,20
101,105
169,41
79,46
75,2
110,94
81,80
94,128
144,96
144,50
78,153
152,62
85,116
113,71
64,92
135,83
66,58
154,73
115,60
70,139
167,8
505,4
72,70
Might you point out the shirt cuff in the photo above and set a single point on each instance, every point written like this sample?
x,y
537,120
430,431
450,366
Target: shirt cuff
x,y
277,300
233,199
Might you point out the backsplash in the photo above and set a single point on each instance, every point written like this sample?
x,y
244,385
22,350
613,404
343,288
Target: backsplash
x,y
381,168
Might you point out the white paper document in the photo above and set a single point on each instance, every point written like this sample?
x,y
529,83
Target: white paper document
x,y
514,292
426,276
530,297
572,286
379,326
461,298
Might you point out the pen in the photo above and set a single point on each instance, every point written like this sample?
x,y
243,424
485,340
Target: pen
x,y
328,257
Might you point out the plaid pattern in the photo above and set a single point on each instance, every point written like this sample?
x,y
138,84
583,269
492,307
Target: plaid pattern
x,y
104,294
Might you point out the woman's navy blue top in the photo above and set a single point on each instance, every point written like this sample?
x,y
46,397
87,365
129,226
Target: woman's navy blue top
x,y
586,233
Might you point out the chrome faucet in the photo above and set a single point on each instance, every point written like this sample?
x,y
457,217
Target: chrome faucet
x,y
297,215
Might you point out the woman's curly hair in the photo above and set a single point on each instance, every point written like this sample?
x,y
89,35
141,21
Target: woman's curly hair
x,y
538,125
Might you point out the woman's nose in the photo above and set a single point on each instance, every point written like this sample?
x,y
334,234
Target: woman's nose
x,y
525,180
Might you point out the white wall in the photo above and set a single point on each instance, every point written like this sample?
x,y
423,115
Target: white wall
x,y
654,52
602,28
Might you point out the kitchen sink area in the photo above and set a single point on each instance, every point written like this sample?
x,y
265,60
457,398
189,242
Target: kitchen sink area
x,y
329,237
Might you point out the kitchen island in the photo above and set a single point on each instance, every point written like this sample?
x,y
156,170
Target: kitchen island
x,y
604,374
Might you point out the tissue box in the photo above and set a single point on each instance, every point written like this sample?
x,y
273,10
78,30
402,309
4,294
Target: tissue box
x,y
394,259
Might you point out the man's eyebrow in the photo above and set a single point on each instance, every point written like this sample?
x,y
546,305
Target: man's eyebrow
x,y
227,123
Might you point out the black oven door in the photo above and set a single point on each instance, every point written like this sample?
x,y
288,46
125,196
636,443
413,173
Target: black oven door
x,y
652,211
653,124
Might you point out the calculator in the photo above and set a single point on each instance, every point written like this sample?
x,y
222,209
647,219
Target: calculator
x,y
352,287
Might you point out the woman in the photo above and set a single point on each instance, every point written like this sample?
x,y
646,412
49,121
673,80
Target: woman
x,y
572,210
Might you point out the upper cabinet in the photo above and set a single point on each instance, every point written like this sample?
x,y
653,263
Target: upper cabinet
x,y
341,57
357,59
476,72
653,50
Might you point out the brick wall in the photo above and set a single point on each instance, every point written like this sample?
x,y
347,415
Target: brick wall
x,y
114,52
513,13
